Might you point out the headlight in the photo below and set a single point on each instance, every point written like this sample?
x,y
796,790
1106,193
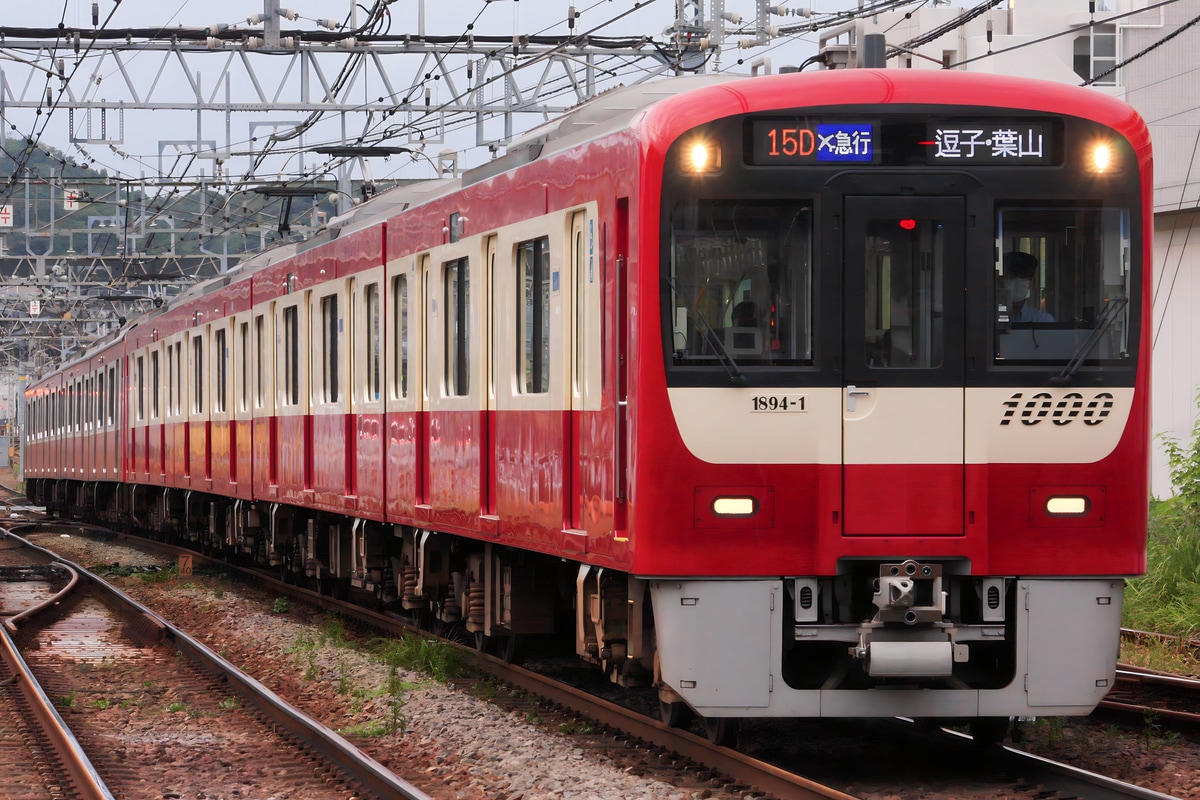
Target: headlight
x,y
701,157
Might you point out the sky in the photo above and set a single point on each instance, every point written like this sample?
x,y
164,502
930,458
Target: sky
x,y
142,150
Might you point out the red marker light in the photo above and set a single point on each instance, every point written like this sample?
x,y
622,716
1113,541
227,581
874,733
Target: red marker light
x,y
908,224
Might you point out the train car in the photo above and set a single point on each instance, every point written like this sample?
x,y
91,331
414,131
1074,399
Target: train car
x,y
807,395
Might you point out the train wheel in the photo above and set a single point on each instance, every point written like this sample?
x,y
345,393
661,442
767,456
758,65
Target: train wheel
x,y
987,731
511,648
675,715
722,731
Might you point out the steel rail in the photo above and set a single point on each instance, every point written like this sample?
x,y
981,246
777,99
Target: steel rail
x,y
357,765
78,767
13,622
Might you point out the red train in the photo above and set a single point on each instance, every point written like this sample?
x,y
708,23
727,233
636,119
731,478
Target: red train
x,y
799,395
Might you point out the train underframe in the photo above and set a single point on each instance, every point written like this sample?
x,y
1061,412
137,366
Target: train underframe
x,y
499,597
883,637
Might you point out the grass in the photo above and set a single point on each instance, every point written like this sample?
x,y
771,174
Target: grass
x,y
440,660
1167,598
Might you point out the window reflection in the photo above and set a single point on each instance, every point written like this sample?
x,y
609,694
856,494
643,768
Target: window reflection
x,y
739,283
904,286
1062,285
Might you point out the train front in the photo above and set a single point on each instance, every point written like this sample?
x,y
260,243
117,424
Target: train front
x,y
891,433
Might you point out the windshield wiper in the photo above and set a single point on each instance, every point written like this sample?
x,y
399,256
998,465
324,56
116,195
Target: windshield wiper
x,y
736,376
1112,307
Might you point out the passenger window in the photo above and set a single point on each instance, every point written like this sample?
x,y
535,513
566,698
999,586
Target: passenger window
x,y
904,283
291,356
400,336
154,390
198,374
330,337
244,350
1062,286
374,342
222,358
457,334
740,280
533,316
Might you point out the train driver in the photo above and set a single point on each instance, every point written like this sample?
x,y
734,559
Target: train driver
x,y
1019,270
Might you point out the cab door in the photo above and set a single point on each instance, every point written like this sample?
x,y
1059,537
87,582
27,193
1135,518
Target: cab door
x,y
903,353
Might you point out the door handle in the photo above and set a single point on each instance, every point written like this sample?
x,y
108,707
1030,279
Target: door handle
x,y
852,395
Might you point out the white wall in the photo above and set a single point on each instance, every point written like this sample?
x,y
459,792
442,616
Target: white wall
x,y
1176,365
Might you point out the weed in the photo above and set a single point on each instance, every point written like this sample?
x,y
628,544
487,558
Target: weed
x,y
577,727
282,605
128,702
229,702
438,659
306,651
374,728
101,703
345,678
1167,597
218,592
334,630
162,575
533,717
67,701
176,707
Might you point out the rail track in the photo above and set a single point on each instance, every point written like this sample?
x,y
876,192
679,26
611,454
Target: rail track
x,y
39,755
765,774
1155,696
138,692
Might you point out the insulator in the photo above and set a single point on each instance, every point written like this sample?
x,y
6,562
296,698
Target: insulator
x,y
62,68
95,14
287,13
329,24
571,16
254,19
349,43
213,43
732,16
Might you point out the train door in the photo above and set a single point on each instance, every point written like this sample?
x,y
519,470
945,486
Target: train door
x,y
488,438
578,358
903,351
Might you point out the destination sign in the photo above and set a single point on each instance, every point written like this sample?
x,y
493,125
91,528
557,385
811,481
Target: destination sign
x,y
989,143
792,142
904,141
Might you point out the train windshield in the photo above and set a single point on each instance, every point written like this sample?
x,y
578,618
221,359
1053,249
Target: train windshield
x,y
740,283
1062,286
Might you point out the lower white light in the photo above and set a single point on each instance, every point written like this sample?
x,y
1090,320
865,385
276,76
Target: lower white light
x,y
1070,506
734,506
